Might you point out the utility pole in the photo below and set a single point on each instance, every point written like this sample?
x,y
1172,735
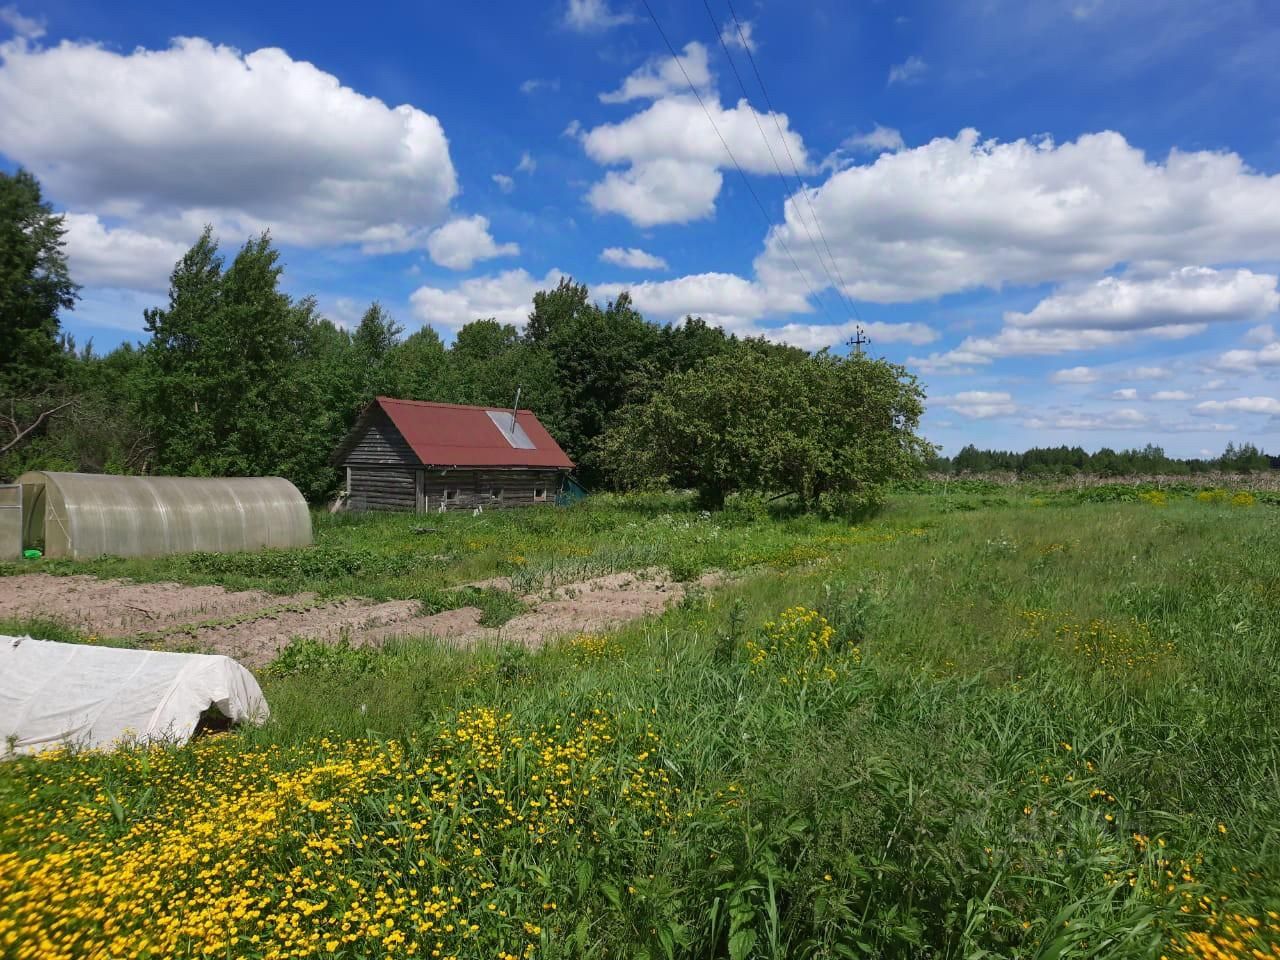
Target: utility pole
x,y
855,342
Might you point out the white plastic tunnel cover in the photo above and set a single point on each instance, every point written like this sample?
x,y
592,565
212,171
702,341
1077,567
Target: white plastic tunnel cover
x,y
88,697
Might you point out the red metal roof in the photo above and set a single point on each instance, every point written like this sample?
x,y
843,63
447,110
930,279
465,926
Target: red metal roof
x,y
452,435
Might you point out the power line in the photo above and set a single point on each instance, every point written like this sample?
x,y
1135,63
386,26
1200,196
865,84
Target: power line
x,y
794,166
715,26
724,143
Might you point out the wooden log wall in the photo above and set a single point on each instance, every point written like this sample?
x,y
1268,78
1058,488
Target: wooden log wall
x,y
381,488
382,443
396,488
492,489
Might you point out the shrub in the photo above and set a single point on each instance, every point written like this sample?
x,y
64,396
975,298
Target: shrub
x,y
307,655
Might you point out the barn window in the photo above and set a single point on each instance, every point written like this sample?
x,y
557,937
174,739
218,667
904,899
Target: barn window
x,y
450,496
495,493
539,493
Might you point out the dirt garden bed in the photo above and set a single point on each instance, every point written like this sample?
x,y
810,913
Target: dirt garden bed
x,y
253,627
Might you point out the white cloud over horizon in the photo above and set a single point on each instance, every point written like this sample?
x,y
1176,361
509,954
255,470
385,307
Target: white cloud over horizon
x,y
1119,310
506,297
1187,295
963,213
980,404
1267,405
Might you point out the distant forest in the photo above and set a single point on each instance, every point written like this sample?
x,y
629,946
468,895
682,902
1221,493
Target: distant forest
x,y
1067,461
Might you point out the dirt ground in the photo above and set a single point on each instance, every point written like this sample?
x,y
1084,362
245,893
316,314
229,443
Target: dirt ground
x,y
253,627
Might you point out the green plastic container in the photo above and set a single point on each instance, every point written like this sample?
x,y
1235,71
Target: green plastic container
x,y
31,554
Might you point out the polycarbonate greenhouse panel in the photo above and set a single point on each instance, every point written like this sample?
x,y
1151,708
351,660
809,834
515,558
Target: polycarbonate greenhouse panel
x,y
10,522
82,515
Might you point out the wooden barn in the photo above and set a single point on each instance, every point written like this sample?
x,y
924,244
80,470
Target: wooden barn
x,y
429,457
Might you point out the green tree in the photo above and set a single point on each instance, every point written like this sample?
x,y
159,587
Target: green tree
x,y
552,309
416,367
489,360
35,285
604,359
227,386
831,431
372,345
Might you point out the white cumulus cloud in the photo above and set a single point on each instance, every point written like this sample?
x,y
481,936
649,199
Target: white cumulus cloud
x,y
120,257
166,140
22,26
1263,333
1123,419
815,336
1127,393
964,213
1116,310
662,76
1075,375
723,298
461,242
590,16
659,191
740,35
1021,342
911,70
506,297
632,257
980,404
1186,295
671,155
877,140
1248,360
1269,405
742,306
1168,395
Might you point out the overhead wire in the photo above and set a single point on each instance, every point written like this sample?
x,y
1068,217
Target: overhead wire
x,y
842,289
728,150
772,156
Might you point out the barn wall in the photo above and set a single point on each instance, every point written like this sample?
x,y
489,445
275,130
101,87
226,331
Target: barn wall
x,y
474,488
382,444
394,488
381,488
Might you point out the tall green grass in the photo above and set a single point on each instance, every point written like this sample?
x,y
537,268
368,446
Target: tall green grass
x,y
1061,737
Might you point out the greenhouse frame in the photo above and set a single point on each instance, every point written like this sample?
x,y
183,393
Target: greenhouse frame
x,y
82,515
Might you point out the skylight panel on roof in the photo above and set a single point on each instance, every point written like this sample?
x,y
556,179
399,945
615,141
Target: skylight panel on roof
x,y
517,438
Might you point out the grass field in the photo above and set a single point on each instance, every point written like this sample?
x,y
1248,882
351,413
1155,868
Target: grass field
x,y
978,725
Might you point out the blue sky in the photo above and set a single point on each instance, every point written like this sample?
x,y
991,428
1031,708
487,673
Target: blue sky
x,y
1065,215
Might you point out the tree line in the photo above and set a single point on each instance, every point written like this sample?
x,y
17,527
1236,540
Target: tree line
x,y
1150,460
238,378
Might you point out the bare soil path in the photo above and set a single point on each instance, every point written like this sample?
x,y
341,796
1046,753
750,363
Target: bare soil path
x,y
253,626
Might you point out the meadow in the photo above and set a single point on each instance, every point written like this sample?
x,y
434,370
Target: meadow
x,y
1011,723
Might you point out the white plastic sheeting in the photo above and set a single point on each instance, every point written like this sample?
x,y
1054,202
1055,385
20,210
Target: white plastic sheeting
x,y
67,694
87,515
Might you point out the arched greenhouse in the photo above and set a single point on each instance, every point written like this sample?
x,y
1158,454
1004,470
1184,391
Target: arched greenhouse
x,y
84,515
